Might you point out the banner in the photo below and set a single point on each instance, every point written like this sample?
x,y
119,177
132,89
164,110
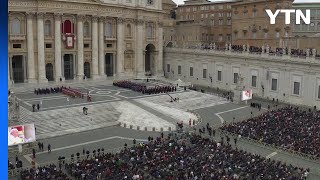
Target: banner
x,y
246,95
69,41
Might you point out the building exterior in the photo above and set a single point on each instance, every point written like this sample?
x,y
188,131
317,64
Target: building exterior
x,y
251,24
204,22
53,40
307,36
289,79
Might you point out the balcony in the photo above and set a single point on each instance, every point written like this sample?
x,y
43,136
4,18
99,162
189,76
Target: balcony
x,y
17,37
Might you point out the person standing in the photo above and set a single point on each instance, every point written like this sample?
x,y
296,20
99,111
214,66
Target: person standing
x,y
38,107
34,153
49,148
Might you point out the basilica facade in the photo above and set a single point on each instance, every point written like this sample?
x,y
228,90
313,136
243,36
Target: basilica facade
x,y
57,40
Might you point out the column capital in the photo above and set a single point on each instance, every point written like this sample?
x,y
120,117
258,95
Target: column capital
x,y
40,14
95,18
139,21
81,17
120,20
57,15
30,14
102,19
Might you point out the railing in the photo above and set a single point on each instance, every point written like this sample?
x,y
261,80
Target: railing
x,y
17,36
244,53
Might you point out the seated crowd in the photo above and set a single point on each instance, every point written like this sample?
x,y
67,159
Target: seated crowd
x,y
288,127
183,157
41,91
143,88
44,173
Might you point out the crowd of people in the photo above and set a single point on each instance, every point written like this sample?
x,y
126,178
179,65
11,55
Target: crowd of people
x,y
44,173
182,157
139,87
288,127
41,91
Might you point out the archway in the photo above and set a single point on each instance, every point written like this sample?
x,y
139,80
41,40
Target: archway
x,y
49,72
18,69
149,59
86,70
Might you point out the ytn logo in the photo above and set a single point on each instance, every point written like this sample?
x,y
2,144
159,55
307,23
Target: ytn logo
x,y
299,15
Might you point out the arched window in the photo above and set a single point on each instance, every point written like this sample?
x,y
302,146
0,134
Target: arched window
x,y
149,31
129,33
16,26
108,29
67,27
86,30
47,28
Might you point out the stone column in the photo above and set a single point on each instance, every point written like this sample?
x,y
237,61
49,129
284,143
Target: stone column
x,y
95,54
41,54
57,46
9,79
159,65
139,47
120,46
30,41
10,68
80,70
101,48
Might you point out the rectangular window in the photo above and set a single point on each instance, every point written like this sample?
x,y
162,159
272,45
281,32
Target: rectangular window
x,y
254,35
109,45
254,81
204,73
179,69
191,71
48,45
219,76
16,45
274,84
319,92
86,45
296,88
235,78
168,68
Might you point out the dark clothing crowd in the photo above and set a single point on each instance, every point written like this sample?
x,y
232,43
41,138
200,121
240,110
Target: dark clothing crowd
x,y
43,173
288,127
41,91
143,88
182,157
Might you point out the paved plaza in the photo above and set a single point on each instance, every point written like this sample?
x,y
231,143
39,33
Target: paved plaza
x,y
62,123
